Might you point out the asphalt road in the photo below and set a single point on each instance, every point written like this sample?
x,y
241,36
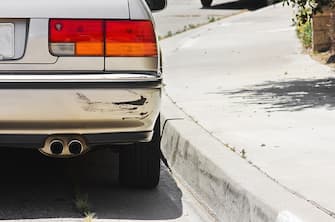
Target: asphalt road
x,y
38,188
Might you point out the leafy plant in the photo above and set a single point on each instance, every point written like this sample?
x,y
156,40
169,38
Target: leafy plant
x,y
304,32
307,8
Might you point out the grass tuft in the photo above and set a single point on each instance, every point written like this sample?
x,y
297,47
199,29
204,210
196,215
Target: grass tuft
x,y
244,154
82,204
89,217
210,19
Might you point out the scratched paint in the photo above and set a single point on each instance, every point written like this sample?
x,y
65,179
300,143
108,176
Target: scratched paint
x,y
139,102
102,106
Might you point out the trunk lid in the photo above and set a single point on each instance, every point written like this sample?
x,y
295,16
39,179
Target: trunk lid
x,y
64,9
24,33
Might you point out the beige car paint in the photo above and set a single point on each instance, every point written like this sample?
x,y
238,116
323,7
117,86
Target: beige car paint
x,y
63,111
77,110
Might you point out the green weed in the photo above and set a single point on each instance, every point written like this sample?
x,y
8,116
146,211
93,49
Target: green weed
x,y
304,32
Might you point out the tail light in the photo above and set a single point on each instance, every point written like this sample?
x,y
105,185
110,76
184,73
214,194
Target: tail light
x,y
76,37
114,38
130,38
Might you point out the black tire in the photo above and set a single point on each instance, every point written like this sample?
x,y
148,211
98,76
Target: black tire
x,y
206,3
139,164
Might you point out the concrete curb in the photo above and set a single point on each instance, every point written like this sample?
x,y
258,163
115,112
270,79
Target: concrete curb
x,y
232,188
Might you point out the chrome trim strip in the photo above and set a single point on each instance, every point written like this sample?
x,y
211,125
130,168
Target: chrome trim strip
x,y
69,76
80,84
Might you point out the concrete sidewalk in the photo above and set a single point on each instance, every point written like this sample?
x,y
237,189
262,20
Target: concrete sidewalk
x,y
246,85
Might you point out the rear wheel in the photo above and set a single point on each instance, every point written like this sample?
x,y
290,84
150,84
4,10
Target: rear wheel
x,y
140,163
206,3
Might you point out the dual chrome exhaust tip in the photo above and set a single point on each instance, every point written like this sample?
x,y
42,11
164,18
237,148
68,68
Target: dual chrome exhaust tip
x,y
56,147
75,147
64,146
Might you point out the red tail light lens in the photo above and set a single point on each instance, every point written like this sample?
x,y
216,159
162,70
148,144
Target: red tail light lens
x,y
130,38
76,37
113,38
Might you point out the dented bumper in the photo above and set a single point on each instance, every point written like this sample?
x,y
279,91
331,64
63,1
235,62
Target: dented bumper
x,y
89,104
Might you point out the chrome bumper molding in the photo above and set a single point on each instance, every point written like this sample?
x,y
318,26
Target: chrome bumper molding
x,y
79,81
80,84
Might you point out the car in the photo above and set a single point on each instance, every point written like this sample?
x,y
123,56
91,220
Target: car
x,y
76,76
206,3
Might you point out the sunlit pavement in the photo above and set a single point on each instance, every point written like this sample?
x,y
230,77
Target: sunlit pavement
x,y
247,81
187,13
38,188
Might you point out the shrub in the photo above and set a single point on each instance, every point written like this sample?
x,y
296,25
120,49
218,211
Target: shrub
x,y
304,32
307,8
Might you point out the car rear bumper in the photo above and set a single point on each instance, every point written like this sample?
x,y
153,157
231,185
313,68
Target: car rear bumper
x,y
114,108
37,141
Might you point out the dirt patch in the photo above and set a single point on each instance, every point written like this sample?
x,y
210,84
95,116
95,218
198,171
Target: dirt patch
x,y
323,58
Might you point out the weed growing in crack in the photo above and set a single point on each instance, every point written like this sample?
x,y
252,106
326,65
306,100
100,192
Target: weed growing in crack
x,y
89,217
244,154
82,205
210,19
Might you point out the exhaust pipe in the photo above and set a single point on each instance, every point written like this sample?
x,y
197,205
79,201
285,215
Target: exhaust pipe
x,y
75,147
64,146
56,147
